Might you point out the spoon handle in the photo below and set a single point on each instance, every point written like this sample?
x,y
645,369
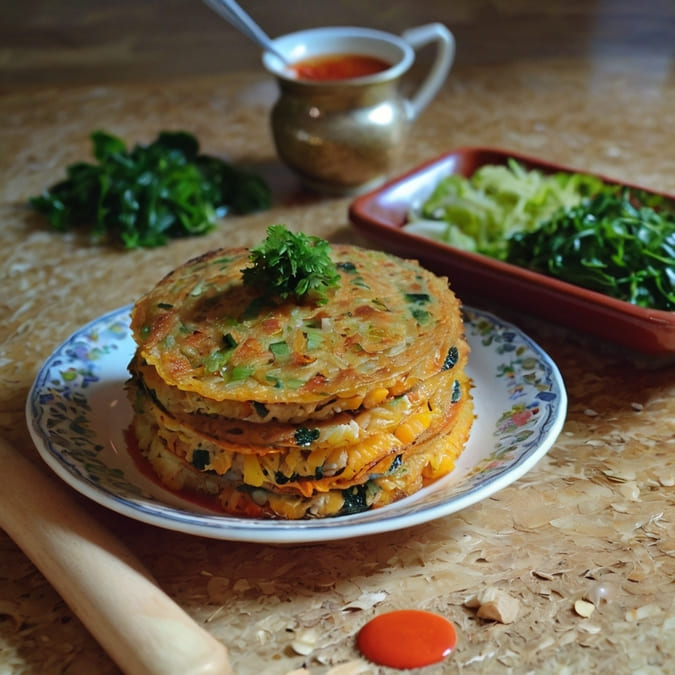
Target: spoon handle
x,y
233,13
139,626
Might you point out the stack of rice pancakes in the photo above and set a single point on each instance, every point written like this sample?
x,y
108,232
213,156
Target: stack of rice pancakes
x,y
292,409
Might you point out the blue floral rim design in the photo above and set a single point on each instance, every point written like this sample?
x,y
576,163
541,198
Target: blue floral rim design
x,y
77,413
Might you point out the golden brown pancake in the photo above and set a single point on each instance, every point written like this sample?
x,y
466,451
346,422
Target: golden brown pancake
x,y
315,451
297,408
388,325
395,476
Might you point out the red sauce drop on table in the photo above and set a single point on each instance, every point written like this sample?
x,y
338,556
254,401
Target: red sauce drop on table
x,y
338,67
408,638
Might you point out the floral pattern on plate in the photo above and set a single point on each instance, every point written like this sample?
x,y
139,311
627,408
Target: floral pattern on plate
x,y
77,414
529,382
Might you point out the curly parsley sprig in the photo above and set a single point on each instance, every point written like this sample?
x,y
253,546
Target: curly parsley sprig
x,y
292,265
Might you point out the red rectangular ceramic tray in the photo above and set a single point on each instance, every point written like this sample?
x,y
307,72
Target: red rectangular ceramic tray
x,y
379,215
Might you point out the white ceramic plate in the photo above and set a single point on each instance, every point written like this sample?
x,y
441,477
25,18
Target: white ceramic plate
x,y
77,413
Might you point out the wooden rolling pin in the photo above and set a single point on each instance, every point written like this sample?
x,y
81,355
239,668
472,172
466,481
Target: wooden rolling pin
x,y
104,584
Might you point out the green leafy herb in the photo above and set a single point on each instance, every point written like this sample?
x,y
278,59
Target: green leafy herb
x,y
291,265
418,298
420,315
315,338
358,498
305,436
201,459
229,341
217,360
280,350
613,244
280,478
451,358
145,196
396,463
355,500
572,226
241,373
261,409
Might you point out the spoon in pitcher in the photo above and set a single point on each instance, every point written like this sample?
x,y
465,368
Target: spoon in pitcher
x,y
231,11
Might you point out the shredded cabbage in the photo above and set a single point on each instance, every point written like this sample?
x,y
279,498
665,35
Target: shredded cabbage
x,y
480,213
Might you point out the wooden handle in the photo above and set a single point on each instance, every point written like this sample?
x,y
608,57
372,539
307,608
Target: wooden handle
x,y
139,626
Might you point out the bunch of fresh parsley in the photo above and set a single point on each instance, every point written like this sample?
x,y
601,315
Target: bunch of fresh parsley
x,y
147,195
621,243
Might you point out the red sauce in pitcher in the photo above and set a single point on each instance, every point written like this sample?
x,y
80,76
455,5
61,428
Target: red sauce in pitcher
x,y
338,67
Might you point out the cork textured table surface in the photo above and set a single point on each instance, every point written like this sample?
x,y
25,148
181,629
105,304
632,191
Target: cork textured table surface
x,y
590,85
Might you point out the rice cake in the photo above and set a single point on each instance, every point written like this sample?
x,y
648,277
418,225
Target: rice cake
x,y
388,325
308,453
296,408
399,475
342,428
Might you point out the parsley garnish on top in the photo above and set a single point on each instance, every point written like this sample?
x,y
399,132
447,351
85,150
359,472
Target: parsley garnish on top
x,y
292,265
144,196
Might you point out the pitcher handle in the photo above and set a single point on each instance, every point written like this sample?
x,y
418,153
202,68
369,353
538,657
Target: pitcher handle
x,y
445,55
